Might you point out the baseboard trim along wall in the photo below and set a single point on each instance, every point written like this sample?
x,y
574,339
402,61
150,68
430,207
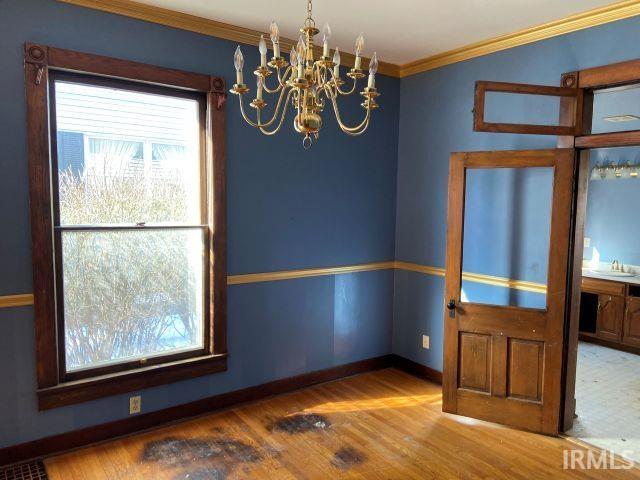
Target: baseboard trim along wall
x,y
27,299
80,438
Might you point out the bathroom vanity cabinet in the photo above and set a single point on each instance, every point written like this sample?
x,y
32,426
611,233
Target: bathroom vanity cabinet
x,y
610,314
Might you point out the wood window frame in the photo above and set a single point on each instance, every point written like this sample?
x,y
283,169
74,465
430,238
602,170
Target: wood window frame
x,y
618,75
54,388
565,93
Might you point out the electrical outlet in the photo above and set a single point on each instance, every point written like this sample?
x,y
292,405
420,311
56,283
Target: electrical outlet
x,y
587,242
425,341
135,404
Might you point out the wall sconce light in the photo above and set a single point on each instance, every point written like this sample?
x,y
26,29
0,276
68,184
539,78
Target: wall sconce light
x,y
611,171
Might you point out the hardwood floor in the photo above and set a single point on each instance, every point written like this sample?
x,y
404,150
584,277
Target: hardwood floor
x,y
380,425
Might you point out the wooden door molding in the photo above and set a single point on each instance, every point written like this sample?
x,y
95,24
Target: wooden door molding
x,y
509,339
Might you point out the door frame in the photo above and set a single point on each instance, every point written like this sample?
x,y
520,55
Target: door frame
x,y
574,130
587,80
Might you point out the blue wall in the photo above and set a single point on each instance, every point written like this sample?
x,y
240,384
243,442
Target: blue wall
x,y
612,210
337,204
435,120
287,209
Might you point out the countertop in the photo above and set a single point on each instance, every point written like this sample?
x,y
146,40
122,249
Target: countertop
x,y
635,280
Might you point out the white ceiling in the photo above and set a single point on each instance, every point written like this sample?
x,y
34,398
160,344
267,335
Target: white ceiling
x,y
399,30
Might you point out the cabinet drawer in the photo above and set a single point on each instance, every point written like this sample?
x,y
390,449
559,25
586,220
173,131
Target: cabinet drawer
x,y
595,285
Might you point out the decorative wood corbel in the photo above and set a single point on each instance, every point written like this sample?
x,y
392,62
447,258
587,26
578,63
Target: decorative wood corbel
x,y
37,56
218,87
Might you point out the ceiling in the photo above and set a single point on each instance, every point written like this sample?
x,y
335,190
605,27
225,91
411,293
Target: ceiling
x,y
400,31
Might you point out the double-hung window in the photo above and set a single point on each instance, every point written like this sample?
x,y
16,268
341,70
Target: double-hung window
x,y
129,262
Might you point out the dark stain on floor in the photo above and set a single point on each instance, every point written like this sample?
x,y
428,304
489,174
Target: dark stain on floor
x,y
203,474
300,423
211,458
347,457
172,451
236,450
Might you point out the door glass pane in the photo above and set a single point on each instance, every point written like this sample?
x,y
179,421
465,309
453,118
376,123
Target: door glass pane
x,y
126,156
507,222
145,294
616,109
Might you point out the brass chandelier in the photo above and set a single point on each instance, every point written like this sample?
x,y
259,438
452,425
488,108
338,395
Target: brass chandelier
x,y
305,83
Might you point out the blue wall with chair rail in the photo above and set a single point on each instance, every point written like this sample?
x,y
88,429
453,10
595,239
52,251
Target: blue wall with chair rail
x,y
287,209
347,201
435,120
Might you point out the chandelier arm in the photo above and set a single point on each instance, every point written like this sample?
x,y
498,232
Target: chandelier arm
x,y
353,88
358,129
282,117
337,85
259,125
355,134
281,83
283,80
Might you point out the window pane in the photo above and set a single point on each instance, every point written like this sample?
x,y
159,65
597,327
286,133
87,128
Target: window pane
x,y
126,157
507,227
616,109
165,159
131,294
504,107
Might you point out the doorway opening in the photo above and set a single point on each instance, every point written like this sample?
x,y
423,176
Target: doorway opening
x,y
607,382
597,284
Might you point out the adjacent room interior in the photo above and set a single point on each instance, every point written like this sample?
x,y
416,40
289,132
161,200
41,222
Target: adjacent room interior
x,y
243,244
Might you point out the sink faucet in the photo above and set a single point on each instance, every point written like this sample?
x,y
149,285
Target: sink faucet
x,y
615,266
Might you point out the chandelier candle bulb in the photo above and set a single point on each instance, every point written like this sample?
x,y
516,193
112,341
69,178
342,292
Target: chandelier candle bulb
x,y
359,49
262,47
238,62
260,85
336,61
373,68
326,35
275,38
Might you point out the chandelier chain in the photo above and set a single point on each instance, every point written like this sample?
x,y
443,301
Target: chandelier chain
x,y
309,22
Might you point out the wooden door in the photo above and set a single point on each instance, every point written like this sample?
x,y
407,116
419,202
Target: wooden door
x,y
503,360
610,316
631,331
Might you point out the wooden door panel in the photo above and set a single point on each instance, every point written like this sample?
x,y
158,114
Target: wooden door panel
x,y
475,362
502,363
507,411
525,369
510,321
610,314
631,330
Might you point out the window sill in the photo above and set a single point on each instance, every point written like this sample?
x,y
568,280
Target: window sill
x,y
78,391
